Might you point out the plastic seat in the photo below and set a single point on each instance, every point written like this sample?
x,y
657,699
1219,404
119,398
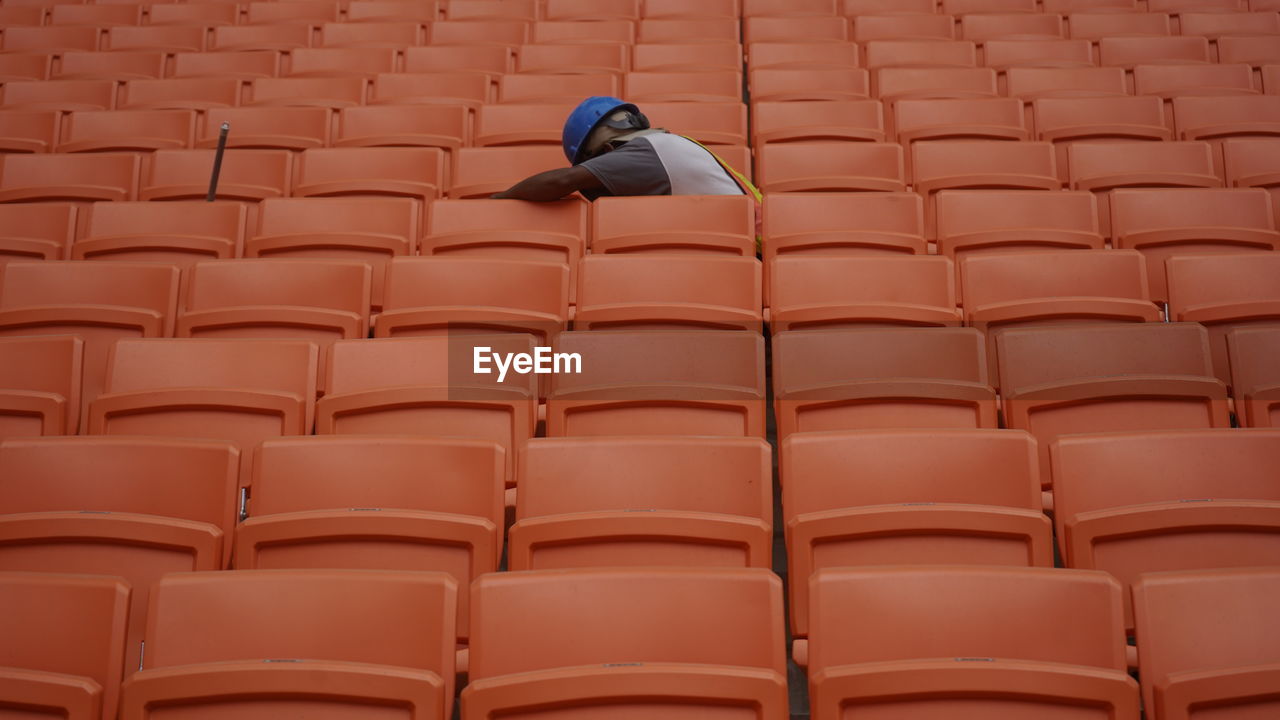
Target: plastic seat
x,y
655,57
36,231
854,8
592,10
1170,81
906,26
1249,162
1215,118
1253,371
1214,25
789,84
1070,6
1254,50
509,229
1223,292
100,15
796,55
894,84
79,178
267,128
263,615
332,62
967,7
578,498
371,230
277,38
1167,223
180,94
209,14
1201,500
877,378
722,86
167,39
921,53
452,88
555,88
15,66
391,10
304,507
1005,54
40,385
707,122
485,10
33,131
1101,167
441,126
818,120
414,172
842,224
120,65
573,58
1182,649
243,65
333,93
1178,7
668,30
901,510
428,386
59,95
653,291
982,27
1128,52
1018,640
127,130
111,506
473,32
648,382
1271,79
830,166
481,172
447,295
980,164
366,35
572,31
39,608
1095,26
977,118
178,232
822,292
291,11
1030,84
1065,121
702,639
717,224
675,9
50,39
33,16
247,175
1057,381
493,60
788,8
794,29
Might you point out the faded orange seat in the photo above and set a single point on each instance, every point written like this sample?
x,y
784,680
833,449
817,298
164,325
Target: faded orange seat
x,y
1094,26
1129,52
981,27
136,508
17,66
167,39
980,164
898,509
36,231
810,28
921,54
894,24
817,120
1057,381
265,616
482,171
719,224
573,58
830,166
715,29
656,383
384,34
248,175
705,86
655,291
188,93
80,681
209,14
1136,503
798,54
1031,83
626,501
676,9
842,224
529,88
861,379
422,504
328,92
1250,162
964,119
789,8
573,31
120,65
40,385
392,10
903,83
314,12
981,221
510,230
178,232
558,643
1255,376
592,10
59,95
33,131
1214,25
414,172
1102,167
335,62
54,40
1065,121
940,641
479,32
1005,54
520,123
84,177
127,130
492,60
276,37
1069,6
413,88
1255,50
809,291
1172,81
488,10
789,84
270,128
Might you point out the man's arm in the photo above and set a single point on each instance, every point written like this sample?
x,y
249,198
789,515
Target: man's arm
x,y
552,185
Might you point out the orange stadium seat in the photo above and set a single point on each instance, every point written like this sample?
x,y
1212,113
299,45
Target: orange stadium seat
x,y
573,58
795,29
981,27
167,39
668,30
1057,381
488,10
1215,25
1223,292
486,32
651,382
674,224
36,231
315,12
119,65
127,130
703,9
452,88
329,92
1064,121
1102,167
1201,499
818,120
100,15
208,14
1251,163
854,8
1094,26
267,614
791,84
303,507
391,10
717,86
572,31
578,498
1254,50
446,295
79,178
1029,84
329,62
385,35
1005,54
24,66
1215,118
842,224
481,172
12,17
203,93
876,378
710,123
1271,79
892,84
591,9
1254,375
494,60
277,38
59,95
178,232
269,128
702,639
512,124
968,7
28,131
111,506
794,55
808,291
447,127
555,88
1177,7
901,510
80,679
511,229
1070,6
55,40
627,291
1164,223
419,172
693,57
921,53
247,175
1205,636
40,385
906,26
980,164
1128,52
830,166
967,118
1170,81
788,8
1039,640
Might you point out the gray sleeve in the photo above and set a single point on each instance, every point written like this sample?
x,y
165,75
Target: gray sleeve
x,y
633,169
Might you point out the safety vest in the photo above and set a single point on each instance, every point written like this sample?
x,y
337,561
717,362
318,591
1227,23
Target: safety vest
x,y
744,184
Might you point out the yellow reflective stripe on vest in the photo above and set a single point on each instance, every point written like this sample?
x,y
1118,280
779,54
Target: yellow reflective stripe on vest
x,y
743,183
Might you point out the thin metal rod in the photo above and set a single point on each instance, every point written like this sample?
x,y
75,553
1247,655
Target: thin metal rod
x,y
217,161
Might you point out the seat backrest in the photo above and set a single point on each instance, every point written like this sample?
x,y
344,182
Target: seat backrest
x,y
493,59
969,163
921,53
981,27
482,171
898,83
710,123
395,219
572,58
800,281
472,88
687,215
831,166
64,95
480,282
74,176
669,30
721,85
818,358
994,118
903,27
198,93
1114,116
1203,79
42,230
329,284
1031,83
546,619
112,224
245,175
909,612
46,364
436,361
817,120
1005,54
1097,25
1105,165
1248,162
998,278
520,88
334,61
281,366
530,123
1009,215
1223,281
794,214
810,29
1256,50
608,280
65,624
1127,52
799,54
724,475
146,286
617,358
1253,352
456,217
473,32
491,10
1036,356
375,170
1216,24
1140,210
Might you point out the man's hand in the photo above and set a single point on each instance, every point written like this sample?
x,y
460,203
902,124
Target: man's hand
x,y
551,185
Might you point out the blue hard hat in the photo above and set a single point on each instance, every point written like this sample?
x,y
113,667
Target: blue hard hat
x,y
587,117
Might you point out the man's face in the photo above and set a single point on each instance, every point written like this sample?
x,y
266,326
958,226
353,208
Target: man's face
x,y
618,123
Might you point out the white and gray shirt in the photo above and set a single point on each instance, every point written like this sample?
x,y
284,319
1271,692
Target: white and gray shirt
x,y
660,163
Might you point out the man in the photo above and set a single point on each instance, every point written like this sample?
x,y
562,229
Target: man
x,y
613,151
